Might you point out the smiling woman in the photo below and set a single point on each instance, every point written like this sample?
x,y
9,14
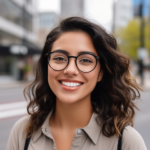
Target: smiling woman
x,y
82,95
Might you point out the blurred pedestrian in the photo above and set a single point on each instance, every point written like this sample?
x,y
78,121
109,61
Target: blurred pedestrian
x,y
20,66
141,70
82,95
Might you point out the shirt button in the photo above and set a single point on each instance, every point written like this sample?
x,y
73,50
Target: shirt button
x,y
79,131
45,130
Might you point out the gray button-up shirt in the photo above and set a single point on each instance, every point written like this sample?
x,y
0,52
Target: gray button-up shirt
x,y
87,138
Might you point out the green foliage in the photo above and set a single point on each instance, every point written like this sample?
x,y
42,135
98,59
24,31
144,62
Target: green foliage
x,y
147,37
129,38
27,68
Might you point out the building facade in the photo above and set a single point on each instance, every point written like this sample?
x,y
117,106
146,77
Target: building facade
x,y
72,8
145,10
18,40
47,21
123,13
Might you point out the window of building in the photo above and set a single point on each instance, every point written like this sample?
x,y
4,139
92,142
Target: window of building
x,y
8,39
15,14
27,22
48,19
11,11
5,65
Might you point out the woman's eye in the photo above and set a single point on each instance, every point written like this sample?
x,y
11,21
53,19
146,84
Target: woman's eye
x,y
59,59
86,61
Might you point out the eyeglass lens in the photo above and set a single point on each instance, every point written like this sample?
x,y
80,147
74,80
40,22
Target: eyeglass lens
x,y
85,62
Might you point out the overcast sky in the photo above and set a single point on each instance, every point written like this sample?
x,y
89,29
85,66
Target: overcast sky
x,y
99,11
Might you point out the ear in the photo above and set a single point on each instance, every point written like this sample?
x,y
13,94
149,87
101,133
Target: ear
x,y
100,76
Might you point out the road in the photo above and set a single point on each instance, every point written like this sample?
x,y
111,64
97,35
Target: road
x,y
13,107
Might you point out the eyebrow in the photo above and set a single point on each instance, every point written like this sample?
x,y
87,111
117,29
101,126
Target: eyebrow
x,y
81,52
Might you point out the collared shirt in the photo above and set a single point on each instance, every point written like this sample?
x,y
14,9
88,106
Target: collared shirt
x,y
87,138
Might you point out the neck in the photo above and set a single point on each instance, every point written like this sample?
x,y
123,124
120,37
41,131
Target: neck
x,y
72,116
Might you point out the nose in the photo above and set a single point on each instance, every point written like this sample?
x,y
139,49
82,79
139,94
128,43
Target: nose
x,y
71,69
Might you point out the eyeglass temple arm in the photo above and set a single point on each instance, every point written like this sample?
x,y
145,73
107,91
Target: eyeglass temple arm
x,y
97,57
46,54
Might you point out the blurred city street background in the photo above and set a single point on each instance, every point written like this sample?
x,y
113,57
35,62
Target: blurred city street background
x,y
24,25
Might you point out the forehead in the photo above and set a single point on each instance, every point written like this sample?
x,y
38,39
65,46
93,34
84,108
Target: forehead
x,y
74,42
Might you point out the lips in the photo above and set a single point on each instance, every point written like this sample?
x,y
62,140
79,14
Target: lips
x,y
72,81
70,85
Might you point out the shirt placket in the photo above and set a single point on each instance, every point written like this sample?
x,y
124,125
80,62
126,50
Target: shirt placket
x,y
77,140
48,133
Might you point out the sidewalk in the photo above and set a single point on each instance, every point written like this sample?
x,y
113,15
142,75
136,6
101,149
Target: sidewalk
x,y
146,86
7,82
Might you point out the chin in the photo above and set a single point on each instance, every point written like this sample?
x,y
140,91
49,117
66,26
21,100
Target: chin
x,y
69,100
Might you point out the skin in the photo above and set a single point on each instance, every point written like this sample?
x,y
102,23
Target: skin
x,y
73,108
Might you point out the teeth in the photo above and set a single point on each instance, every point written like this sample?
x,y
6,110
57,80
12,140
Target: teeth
x,y
70,83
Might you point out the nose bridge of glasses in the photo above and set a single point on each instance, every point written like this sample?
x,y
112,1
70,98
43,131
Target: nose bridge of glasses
x,y
72,60
72,57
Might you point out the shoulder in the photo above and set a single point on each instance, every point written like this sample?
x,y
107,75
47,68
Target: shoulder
x,y
132,140
22,122
20,125
17,135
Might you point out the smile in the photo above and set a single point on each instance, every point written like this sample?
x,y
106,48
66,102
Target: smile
x,y
70,84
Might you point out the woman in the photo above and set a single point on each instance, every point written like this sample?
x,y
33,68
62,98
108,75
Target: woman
x,y
82,95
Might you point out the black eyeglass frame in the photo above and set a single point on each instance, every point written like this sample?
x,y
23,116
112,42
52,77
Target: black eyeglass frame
x,y
96,57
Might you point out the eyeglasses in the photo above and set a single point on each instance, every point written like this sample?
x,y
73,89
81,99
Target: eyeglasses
x,y
85,62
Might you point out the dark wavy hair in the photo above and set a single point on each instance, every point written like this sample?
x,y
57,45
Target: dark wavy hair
x,y
112,98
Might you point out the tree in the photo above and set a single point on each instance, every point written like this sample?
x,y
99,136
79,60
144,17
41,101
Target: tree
x,y
129,38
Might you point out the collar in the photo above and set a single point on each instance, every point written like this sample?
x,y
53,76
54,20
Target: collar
x,y
43,129
93,129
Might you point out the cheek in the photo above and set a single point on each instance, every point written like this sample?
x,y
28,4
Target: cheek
x,y
51,76
91,80
93,75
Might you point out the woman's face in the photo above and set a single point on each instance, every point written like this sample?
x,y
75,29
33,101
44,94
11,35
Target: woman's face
x,y
73,43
